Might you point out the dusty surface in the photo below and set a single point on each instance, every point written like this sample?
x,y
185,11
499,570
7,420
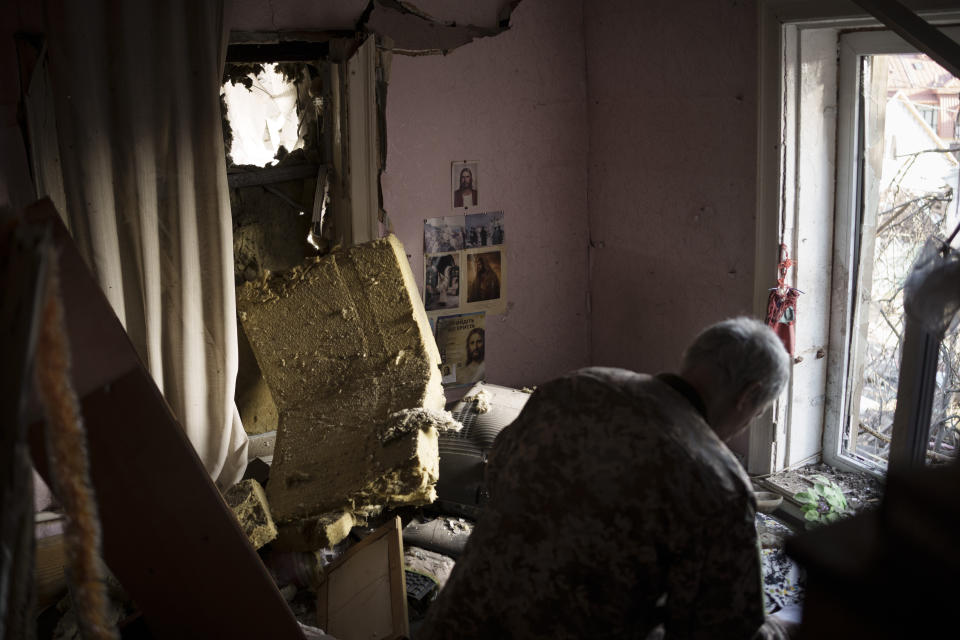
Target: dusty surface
x,y
344,344
861,489
249,503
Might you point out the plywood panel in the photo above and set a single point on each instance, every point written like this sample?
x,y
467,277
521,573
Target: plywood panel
x,y
364,594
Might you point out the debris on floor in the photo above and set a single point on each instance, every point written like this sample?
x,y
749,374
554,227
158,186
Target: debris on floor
x,y
783,580
445,534
426,574
862,490
345,347
63,618
436,565
249,503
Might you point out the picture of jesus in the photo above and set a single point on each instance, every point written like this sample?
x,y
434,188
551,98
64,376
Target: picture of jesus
x,y
465,193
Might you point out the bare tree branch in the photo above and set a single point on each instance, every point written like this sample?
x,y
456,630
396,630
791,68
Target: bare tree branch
x,y
927,199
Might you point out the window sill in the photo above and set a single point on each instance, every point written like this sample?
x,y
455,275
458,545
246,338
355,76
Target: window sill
x,y
862,490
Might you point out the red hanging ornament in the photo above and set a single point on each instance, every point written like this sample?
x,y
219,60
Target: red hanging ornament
x,y
782,304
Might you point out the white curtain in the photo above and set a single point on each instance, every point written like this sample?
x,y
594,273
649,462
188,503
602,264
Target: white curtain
x,y
135,94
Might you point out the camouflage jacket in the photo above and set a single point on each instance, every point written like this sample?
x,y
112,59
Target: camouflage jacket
x,y
614,508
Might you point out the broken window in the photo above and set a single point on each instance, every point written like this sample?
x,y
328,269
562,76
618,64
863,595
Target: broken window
x,y
273,115
863,180
276,120
301,139
907,194
269,111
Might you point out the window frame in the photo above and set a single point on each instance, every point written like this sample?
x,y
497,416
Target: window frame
x,y
852,46
816,392
355,139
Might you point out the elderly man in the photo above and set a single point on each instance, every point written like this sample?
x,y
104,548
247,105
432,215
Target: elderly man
x,y
615,506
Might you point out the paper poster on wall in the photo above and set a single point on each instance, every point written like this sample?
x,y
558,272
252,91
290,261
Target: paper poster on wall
x,y
462,343
464,184
484,230
441,235
472,278
484,276
484,280
441,281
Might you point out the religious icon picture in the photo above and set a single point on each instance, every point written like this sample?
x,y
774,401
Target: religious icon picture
x,y
461,340
483,276
464,184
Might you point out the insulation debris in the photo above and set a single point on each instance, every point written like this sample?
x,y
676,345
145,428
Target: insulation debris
x,y
249,503
482,398
409,420
344,344
317,532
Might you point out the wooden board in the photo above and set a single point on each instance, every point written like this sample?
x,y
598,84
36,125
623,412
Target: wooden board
x,y
364,593
168,536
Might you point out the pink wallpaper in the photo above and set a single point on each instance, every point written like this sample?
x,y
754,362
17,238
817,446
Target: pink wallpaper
x,y
629,124
672,126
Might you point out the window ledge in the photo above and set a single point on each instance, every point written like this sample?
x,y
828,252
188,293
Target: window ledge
x,y
862,490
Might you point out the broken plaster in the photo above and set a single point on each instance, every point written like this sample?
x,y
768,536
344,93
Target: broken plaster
x,y
414,32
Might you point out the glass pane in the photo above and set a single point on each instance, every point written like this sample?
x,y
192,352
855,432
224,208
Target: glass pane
x,y
910,183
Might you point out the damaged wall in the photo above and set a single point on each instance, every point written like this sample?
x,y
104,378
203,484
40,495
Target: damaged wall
x,y
517,104
632,95
292,15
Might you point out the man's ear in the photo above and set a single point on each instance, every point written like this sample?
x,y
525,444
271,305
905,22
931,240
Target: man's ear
x,y
748,398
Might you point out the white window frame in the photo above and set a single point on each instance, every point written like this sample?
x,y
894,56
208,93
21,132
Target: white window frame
x,y
852,47
800,162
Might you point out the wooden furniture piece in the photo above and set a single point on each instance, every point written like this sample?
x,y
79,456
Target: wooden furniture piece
x,y
364,593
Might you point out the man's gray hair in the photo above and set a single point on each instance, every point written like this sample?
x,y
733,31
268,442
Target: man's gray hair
x,y
741,351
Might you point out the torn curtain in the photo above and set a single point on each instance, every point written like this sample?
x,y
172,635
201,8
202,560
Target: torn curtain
x,y
135,94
